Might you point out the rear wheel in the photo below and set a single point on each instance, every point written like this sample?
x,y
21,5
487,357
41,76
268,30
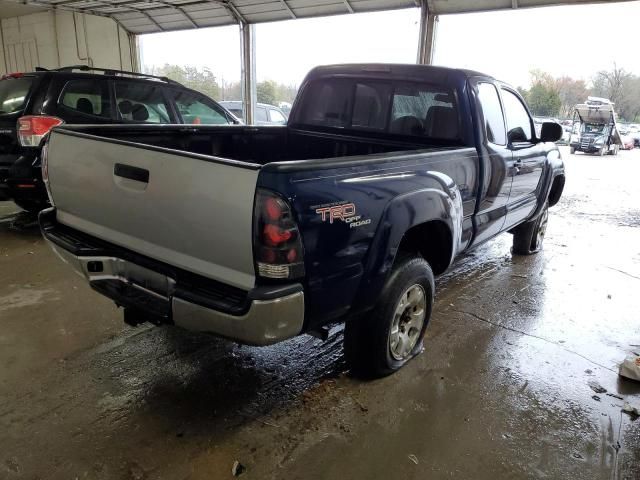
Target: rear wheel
x,y
572,150
384,340
528,237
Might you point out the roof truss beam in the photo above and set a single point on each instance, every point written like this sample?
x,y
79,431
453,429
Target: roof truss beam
x,y
142,16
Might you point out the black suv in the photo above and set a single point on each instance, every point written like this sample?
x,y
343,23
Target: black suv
x,y
33,103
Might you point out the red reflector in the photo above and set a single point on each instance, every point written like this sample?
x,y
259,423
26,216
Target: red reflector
x,y
25,185
269,256
273,208
292,255
274,235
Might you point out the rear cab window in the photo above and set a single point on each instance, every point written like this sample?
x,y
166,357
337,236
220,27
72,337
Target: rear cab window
x,y
87,98
401,108
139,102
14,92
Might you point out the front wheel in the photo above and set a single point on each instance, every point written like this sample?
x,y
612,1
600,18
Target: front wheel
x,y
528,237
384,340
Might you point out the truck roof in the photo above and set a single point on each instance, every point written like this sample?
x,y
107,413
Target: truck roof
x,y
399,71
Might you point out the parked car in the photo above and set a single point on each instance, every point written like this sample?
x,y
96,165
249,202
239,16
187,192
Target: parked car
x,y
383,175
628,142
285,107
32,103
264,115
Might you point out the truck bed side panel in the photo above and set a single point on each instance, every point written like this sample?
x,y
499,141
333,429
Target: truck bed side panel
x,y
338,252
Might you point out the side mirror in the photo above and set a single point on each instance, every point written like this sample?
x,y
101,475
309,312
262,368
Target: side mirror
x,y
550,132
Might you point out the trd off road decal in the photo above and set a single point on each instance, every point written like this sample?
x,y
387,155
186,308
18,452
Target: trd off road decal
x,y
345,212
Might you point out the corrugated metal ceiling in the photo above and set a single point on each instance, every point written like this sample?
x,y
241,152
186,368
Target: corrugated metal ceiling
x,y
150,16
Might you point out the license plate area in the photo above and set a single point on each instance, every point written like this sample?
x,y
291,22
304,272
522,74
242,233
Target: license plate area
x,y
130,285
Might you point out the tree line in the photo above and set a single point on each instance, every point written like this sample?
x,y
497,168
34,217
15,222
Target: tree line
x,y
550,96
205,81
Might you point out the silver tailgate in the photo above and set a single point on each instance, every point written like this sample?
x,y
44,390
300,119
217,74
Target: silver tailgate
x,y
194,213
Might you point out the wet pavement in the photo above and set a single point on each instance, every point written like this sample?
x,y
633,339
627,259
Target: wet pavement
x,y
518,380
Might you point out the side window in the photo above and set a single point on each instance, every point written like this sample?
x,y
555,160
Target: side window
x,y
13,93
492,112
370,106
87,97
194,110
518,120
277,117
141,103
261,114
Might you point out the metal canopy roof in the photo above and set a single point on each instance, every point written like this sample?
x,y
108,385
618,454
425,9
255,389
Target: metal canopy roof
x,y
150,16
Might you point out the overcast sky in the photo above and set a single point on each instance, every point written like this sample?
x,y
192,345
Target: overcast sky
x,y
504,44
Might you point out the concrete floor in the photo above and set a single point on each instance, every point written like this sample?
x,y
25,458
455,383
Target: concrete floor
x,y
511,384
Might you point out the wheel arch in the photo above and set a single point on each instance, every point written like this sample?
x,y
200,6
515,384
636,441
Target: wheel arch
x,y
417,221
433,240
557,187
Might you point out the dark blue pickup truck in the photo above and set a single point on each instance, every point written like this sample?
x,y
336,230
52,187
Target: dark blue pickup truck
x,y
382,176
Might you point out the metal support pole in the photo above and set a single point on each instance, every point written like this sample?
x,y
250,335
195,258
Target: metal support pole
x,y
428,32
248,74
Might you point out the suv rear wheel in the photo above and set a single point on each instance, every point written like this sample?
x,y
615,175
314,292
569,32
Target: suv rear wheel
x,y
384,340
30,205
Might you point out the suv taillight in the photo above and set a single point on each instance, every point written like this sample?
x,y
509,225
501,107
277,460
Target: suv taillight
x,y
277,244
33,128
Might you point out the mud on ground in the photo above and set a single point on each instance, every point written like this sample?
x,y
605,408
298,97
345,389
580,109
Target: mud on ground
x,y
518,379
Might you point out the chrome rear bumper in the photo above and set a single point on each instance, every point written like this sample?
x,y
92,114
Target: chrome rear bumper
x,y
271,315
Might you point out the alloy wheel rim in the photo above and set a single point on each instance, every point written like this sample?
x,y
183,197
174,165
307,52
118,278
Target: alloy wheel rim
x,y
408,320
542,228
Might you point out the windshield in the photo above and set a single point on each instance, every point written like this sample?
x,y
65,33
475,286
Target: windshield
x,y
591,128
13,94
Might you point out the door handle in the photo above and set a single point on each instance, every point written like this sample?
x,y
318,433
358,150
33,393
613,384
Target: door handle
x,y
517,165
132,173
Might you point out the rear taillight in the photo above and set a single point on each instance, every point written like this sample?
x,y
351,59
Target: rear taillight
x,y
12,75
33,128
277,243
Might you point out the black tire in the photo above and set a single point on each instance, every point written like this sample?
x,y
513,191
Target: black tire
x,y
528,237
30,206
368,338
572,150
